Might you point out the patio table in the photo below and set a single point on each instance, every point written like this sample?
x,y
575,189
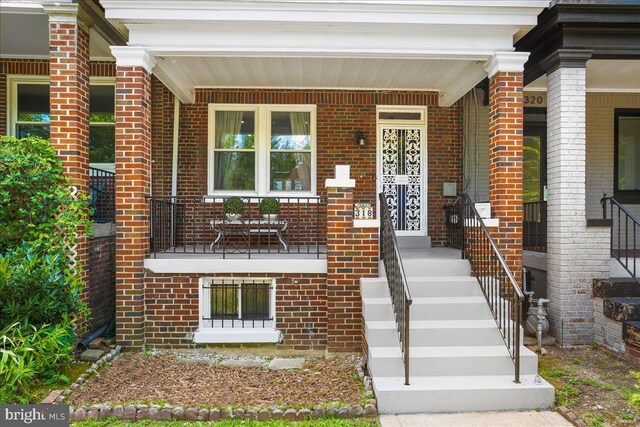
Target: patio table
x,y
239,227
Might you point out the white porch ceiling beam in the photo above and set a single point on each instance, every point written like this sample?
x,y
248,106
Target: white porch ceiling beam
x,y
171,79
461,83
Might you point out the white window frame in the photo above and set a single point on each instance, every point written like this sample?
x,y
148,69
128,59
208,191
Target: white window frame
x,y
13,80
257,334
262,148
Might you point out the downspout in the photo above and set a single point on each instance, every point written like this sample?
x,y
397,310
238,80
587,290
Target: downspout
x,y
174,158
174,161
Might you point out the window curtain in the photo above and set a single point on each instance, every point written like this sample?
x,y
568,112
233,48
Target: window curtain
x,y
301,125
228,125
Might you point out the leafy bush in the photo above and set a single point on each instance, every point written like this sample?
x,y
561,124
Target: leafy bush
x,y
28,353
234,206
269,206
36,200
37,286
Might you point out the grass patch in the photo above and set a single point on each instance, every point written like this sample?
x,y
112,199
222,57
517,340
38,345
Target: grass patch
x,y
322,422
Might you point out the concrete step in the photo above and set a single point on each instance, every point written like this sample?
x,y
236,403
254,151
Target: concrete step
x,y
436,267
413,242
461,394
436,286
432,308
450,361
432,333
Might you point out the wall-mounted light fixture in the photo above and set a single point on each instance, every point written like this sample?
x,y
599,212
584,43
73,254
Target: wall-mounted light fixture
x,y
361,140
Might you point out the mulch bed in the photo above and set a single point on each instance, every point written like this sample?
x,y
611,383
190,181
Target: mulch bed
x,y
165,379
593,383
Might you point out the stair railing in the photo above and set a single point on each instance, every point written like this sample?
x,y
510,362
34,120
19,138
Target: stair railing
x,y
498,284
625,232
397,281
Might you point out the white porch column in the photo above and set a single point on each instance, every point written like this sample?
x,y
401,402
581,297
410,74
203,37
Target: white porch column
x,y
576,253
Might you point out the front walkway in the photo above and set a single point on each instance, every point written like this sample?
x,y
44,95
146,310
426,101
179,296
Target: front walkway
x,y
477,419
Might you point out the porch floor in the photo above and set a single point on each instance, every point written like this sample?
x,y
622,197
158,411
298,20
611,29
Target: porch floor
x,y
198,252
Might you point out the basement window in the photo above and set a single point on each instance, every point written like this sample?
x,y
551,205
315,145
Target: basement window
x,y
237,310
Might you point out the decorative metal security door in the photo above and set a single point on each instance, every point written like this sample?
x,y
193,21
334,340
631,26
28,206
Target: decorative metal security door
x,y
402,172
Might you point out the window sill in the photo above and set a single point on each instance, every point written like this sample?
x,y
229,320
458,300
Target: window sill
x,y
236,335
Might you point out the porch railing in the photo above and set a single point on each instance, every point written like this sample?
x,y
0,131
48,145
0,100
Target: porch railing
x,y
625,232
397,281
199,225
102,191
534,227
498,284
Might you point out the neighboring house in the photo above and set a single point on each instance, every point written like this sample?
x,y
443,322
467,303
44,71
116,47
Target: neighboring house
x,y
323,105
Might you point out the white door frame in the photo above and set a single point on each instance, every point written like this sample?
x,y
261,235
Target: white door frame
x,y
423,158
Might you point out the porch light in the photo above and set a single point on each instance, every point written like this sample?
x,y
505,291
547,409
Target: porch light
x,y
361,140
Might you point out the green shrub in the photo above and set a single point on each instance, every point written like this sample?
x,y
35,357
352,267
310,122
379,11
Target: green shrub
x,y
269,206
28,353
35,197
37,286
234,206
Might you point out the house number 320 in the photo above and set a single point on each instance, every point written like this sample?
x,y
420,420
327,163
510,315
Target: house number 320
x,y
533,100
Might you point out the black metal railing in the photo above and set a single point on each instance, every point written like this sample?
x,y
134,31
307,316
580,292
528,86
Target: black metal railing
x,y
199,225
397,281
237,303
534,227
102,191
497,281
625,232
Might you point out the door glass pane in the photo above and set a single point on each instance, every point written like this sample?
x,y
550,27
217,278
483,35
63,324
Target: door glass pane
x,y
33,129
33,103
235,130
531,168
290,130
290,171
629,153
102,142
234,170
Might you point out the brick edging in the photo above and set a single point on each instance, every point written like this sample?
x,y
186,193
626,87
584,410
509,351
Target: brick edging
x,y
571,417
169,412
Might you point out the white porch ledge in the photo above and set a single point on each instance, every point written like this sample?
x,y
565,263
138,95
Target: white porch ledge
x,y
236,335
268,264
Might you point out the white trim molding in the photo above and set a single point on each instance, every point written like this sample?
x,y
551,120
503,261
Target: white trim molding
x,y
342,178
253,265
508,62
133,56
366,223
236,335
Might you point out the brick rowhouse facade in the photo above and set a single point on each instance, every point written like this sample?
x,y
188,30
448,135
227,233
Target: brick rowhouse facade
x,y
505,164
133,166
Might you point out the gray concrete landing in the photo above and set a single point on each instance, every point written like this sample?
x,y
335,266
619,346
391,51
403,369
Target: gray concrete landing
x,y
477,419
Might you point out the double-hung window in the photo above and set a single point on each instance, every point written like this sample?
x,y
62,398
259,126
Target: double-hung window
x,y
29,114
627,155
262,149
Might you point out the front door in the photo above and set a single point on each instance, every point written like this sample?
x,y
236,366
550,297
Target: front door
x,y
402,173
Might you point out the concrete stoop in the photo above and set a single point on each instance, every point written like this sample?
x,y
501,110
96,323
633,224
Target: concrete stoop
x,y
458,360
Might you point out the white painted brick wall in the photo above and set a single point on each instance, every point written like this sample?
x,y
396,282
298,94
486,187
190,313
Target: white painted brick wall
x,y
607,332
575,253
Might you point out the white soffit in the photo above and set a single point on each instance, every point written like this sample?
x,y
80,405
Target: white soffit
x,y
603,75
15,42
357,44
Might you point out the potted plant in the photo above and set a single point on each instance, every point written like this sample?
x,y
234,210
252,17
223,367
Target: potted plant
x,y
233,208
269,208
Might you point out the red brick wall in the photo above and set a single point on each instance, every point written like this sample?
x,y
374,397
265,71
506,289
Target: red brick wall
x,y
171,309
340,114
37,67
101,289
505,164
133,166
352,253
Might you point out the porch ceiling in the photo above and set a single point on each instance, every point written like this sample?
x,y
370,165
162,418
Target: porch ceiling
x,y
360,44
